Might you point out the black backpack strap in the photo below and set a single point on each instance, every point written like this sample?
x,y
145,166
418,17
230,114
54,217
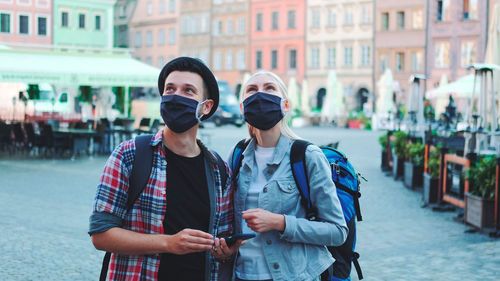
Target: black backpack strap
x,y
139,176
355,257
299,171
222,168
237,158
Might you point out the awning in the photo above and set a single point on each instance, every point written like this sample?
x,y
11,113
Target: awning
x,y
461,88
61,68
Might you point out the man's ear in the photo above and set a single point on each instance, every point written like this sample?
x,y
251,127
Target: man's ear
x,y
207,107
286,106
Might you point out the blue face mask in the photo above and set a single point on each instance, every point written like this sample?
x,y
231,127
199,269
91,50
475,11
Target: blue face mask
x,y
179,113
263,111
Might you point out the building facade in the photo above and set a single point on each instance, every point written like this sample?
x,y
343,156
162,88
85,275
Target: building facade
x,y
457,38
195,35
340,38
124,9
154,31
230,40
26,23
277,37
400,41
83,23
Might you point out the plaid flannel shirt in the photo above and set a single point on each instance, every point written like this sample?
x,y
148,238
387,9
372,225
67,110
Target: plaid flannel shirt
x,y
147,214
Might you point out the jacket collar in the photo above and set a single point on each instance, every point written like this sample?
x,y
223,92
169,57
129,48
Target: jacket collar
x,y
282,147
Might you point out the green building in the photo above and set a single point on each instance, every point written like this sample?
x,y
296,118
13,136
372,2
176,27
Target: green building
x,y
83,23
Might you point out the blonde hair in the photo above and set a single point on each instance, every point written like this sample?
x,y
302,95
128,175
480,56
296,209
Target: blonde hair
x,y
285,129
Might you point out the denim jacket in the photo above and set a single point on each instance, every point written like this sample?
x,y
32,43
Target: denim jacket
x,y
299,252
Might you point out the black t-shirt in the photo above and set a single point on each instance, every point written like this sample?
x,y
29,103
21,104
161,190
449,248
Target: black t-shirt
x,y
188,206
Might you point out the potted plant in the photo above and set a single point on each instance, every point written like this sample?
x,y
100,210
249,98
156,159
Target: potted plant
x,y
414,168
431,178
383,140
398,143
479,202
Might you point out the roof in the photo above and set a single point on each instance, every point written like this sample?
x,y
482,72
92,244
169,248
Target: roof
x,y
75,69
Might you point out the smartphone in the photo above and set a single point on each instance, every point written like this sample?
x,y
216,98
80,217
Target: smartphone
x,y
231,239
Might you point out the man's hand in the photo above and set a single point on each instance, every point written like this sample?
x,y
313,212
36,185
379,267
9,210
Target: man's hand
x,y
260,220
189,241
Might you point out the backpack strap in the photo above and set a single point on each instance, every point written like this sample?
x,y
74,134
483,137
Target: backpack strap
x,y
355,257
222,168
299,171
237,158
139,176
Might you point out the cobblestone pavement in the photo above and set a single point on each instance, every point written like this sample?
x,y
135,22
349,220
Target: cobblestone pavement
x,y
45,205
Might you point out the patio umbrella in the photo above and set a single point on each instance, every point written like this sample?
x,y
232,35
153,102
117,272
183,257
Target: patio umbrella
x,y
385,88
293,94
441,102
332,106
304,98
493,46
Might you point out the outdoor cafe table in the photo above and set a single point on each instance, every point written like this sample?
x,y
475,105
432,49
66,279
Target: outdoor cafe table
x,y
80,139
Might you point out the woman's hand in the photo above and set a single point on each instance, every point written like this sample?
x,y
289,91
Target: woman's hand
x,y
222,252
260,220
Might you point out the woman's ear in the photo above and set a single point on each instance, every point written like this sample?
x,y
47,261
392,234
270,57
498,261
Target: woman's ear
x,y
241,108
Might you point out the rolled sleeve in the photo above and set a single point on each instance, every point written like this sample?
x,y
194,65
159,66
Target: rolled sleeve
x,y
101,222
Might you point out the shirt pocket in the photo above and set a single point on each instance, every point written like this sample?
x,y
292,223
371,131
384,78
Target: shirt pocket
x,y
289,196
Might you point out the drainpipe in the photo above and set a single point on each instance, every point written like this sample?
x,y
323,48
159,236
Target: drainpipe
x,y
487,24
426,49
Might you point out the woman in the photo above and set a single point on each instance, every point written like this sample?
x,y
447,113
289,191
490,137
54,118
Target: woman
x,y
267,200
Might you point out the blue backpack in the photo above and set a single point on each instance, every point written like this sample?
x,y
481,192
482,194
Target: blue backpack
x,y
347,183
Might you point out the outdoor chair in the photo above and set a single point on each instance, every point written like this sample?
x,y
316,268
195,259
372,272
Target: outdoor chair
x,y
144,127
19,138
5,136
32,139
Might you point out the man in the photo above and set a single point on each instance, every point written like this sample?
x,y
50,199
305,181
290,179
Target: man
x,y
169,233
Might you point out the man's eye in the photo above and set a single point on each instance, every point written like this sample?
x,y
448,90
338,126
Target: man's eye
x,y
189,90
169,89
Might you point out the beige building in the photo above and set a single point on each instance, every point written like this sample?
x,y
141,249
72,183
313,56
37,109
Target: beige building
x,y
195,19
400,42
154,31
230,40
339,37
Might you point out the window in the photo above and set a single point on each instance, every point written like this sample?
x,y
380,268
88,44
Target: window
x,y
161,61
4,23
401,20
274,20
171,6
365,55
315,19
416,61
230,27
293,59
172,36
149,8
365,15
161,37
81,20
138,39
470,10
291,19
274,59
331,59
443,10
42,26
348,20
64,19
384,62
241,26
400,62
314,58
258,22
162,6
241,59
149,60
24,24
385,21
468,53
417,20
217,28
442,55
229,60
258,59
97,22
122,12
149,38
332,18
218,61
347,56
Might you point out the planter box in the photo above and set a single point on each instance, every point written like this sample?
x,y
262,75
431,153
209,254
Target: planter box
x,y
397,167
430,189
384,165
413,175
354,124
479,212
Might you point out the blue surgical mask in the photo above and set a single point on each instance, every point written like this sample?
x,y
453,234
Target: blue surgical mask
x,y
263,111
180,113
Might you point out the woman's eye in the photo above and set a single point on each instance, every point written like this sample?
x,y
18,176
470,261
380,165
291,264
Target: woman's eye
x,y
271,88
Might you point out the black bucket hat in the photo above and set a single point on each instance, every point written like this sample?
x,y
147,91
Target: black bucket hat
x,y
196,66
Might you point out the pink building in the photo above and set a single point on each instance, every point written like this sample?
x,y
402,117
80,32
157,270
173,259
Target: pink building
x,y
277,37
457,38
26,23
